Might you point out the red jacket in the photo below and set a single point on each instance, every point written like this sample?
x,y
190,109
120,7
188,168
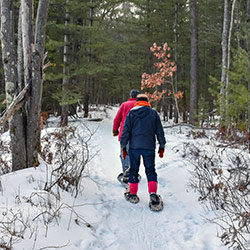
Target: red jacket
x,y
122,114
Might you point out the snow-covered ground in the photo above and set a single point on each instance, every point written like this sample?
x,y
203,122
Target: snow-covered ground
x,y
112,223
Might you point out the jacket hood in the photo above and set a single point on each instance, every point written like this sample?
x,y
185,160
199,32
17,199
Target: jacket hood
x,y
141,111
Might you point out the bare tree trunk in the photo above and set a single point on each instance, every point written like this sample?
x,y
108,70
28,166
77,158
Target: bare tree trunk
x,y
9,58
165,103
27,37
20,51
248,69
88,82
247,22
228,62
193,62
176,112
34,107
25,133
65,108
229,41
170,110
224,47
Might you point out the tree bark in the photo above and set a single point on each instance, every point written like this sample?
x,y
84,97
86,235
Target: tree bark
x,y
16,104
229,41
65,108
20,51
176,114
9,58
224,47
165,103
193,62
88,81
228,63
248,69
27,37
34,107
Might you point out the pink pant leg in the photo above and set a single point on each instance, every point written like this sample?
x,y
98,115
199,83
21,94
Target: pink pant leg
x,y
152,187
133,188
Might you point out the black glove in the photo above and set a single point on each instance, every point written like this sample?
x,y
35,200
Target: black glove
x,y
115,132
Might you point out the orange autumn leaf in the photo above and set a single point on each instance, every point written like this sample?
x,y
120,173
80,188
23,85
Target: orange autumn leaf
x,y
166,69
179,94
174,68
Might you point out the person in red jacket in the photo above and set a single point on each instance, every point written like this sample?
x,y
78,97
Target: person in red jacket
x,y
117,131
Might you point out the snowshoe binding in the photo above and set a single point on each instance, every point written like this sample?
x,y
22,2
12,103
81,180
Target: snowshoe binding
x,y
133,198
155,203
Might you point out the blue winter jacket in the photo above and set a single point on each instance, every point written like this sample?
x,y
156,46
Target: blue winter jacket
x,y
141,128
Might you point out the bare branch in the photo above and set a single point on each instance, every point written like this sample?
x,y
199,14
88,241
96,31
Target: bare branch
x,y
55,247
16,104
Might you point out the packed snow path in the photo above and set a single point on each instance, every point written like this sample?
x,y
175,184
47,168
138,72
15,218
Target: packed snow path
x,y
180,225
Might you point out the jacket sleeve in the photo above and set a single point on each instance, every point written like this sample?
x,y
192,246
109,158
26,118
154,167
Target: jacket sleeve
x,y
126,132
160,132
118,119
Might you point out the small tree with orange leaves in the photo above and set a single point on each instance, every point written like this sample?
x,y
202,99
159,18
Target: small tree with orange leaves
x,y
166,69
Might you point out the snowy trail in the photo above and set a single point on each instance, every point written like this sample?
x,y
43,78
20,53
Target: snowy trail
x,y
124,225
115,224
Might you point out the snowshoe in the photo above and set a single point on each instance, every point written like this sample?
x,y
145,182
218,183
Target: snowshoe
x,y
155,203
133,198
123,179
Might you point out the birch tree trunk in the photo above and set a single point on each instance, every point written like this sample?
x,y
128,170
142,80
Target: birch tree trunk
x,y
9,58
224,39
34,107
193,62
224,47
27,37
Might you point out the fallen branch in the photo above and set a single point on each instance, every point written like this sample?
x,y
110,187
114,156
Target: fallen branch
x,y
2,246
95,119
179,124
55,247
189,125
16,104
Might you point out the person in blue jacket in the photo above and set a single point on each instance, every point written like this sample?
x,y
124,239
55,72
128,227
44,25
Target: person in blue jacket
x,y
141,128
